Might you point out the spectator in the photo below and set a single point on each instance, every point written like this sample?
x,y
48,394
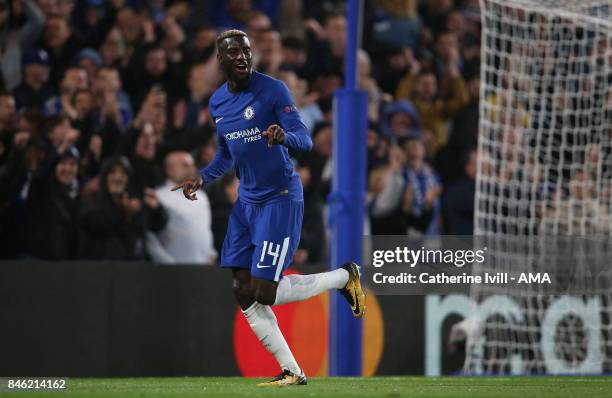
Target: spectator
x,y
447,58
376,97
112,223
59,134
397,22
113,49
16,37
435,12
203,45
62,45
156,75
405,197
400,119
205,154
83,117
424,183
271,53
465,124
257,25
306,103
34,89
31,120
458,200
27,158
90,60
94,19
8,124
175,46
393,63
74,79
142,154
319,159
295,55
134,29
329,45
391,200
51,208
377,147
202,79
115,102
464,135
421,88
65,8
187,237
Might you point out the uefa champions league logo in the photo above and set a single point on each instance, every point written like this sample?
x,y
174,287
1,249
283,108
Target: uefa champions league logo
x,y
248,113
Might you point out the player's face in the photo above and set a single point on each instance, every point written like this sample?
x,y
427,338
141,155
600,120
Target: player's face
x,y
236,58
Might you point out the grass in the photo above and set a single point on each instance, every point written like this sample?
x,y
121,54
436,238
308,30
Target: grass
x,y
392,387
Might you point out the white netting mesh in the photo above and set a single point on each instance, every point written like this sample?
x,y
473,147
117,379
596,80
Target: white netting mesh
x,y
545,169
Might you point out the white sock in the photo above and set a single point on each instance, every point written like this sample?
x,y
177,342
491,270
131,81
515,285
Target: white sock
x,y
262,320
301,287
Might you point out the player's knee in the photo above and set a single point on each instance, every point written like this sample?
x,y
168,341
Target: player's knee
x,y
242,290
265,295
242,286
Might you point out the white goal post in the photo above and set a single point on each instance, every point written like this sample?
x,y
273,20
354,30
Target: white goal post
x,y
544,170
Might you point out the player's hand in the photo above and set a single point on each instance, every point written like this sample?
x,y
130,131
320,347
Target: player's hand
x,y
275,135
190,185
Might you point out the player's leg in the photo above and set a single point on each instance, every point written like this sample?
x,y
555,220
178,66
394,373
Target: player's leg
x,y
263,322
298,287
281,224
301,287
237,254
273,249
242,287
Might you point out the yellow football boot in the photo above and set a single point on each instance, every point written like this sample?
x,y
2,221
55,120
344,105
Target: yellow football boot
x,y
352,291
286,379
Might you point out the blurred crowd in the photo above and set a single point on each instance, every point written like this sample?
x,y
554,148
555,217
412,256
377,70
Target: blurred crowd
x,y
103,108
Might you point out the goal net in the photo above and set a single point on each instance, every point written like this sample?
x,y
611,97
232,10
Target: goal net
x,y
543,197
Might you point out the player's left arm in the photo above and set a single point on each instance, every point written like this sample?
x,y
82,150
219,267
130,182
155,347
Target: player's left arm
x,y
292,132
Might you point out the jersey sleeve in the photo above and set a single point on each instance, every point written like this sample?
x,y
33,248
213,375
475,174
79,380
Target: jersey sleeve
x,y
296,133
221,163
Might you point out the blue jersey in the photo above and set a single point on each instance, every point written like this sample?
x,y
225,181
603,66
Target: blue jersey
x,y
266,174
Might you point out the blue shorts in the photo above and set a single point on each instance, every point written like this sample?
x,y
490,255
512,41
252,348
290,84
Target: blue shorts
x,y
263,238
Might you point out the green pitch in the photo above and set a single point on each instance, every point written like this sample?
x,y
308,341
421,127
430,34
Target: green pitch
x,y
391,387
